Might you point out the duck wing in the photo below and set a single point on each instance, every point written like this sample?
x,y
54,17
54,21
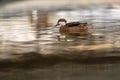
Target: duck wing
x,y
73,24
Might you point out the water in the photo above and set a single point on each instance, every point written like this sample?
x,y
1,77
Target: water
x,y
24,57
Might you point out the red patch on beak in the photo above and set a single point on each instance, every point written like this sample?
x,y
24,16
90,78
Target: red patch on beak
x,y
57,24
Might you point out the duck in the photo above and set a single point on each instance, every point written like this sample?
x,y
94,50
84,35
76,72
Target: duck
x,y
72,28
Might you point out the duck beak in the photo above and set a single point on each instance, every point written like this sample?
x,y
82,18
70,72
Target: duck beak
x,y
57,24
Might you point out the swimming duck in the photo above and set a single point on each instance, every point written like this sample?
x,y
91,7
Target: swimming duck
x,y
72,28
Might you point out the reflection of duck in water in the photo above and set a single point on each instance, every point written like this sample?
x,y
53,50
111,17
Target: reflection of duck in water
x,y
72,28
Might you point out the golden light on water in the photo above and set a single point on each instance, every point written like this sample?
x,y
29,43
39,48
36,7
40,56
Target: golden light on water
x,y
32,46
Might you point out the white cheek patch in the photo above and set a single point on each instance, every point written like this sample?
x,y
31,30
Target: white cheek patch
x,y
62,23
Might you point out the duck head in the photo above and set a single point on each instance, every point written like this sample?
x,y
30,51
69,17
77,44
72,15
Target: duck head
x,y
61,22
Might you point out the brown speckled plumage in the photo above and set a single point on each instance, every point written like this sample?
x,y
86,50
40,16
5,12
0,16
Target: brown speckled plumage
x,y
74,28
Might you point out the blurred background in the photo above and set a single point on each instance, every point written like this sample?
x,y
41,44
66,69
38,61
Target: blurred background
x,y
30,49
34,21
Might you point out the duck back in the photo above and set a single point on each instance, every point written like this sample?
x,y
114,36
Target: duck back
x,y
73,24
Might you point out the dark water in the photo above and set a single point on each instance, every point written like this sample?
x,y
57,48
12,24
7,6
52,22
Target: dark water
x,y
25,58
